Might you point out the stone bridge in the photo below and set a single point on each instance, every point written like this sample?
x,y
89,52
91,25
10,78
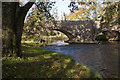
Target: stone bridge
x,y
112,34
77,31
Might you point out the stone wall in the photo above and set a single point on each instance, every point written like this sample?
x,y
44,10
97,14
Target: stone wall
x,y
82,30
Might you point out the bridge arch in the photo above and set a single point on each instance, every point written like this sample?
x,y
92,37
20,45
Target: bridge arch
x,y
68,34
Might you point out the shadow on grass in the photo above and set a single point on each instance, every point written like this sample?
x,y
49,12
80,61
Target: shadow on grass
x,y
32,51
41,63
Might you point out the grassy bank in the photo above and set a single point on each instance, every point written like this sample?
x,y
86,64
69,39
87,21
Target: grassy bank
x,y
42,63
33,43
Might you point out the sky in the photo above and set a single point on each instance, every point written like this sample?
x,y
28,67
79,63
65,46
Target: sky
x,y
62,7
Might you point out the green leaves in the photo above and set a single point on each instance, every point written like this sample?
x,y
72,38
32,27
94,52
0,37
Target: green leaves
x,y
36,19
110,14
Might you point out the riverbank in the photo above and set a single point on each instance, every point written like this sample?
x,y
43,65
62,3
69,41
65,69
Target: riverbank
x,y
100,58
42,63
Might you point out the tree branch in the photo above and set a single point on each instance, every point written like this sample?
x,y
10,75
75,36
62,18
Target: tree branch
x,y
27,6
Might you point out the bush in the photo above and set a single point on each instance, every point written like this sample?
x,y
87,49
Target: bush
x,y
101,37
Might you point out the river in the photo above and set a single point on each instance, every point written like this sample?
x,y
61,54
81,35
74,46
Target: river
x,y
101,58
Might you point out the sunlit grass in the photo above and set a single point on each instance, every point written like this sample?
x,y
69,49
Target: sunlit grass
x,y
33,43
42,63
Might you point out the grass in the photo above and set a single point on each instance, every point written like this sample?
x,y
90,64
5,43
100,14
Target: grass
x,y
33,43
42,63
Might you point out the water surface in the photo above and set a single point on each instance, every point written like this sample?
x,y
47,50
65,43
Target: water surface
x,y
102,58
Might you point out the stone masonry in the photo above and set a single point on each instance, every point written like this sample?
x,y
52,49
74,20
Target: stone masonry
x,y
77,31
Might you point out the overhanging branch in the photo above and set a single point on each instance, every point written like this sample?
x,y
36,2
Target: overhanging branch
x,y
28,6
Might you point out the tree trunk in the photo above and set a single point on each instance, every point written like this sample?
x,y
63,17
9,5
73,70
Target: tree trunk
x,y
12,21
20,16
8,15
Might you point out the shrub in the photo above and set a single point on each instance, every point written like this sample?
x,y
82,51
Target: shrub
x,y
101,37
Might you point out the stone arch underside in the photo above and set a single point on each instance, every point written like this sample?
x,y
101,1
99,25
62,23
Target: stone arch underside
x,y
68,34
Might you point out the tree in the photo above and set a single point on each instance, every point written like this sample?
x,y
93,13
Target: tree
x,y
111,15
77,14
34,24
55,13
65,16
13,21
85,11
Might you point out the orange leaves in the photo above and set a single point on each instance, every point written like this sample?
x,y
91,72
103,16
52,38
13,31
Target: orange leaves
x,y
77,14
36,23
29,24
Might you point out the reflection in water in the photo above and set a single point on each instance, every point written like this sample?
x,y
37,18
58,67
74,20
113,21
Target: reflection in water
x,y
102,58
